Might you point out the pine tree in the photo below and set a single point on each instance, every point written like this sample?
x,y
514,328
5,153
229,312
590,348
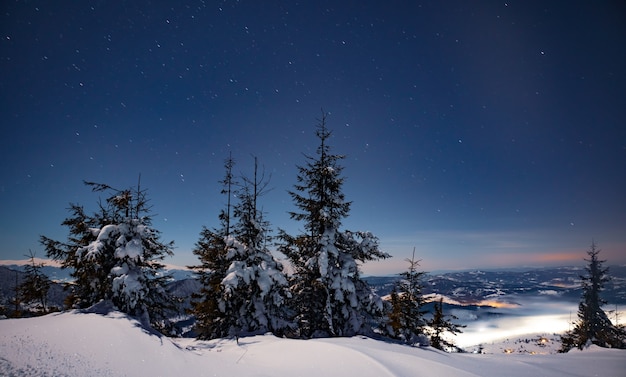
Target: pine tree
x,y
116,255
244,287
35,285
16,301
441,324
255,286
208,305
330,299
228,183
90,283
406,317
593,325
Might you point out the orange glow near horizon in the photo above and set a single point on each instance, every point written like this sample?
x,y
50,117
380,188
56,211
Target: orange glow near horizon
x,y
535,259
563,285
493,303
495,258
497,304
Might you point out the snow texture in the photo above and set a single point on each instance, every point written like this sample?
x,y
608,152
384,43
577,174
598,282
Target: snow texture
x,y
130,274
254,288
102,342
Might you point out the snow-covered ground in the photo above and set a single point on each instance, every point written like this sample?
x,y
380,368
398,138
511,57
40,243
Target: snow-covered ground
x,y
102,342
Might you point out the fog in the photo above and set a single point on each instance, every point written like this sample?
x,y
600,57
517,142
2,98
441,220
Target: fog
x,y
544,314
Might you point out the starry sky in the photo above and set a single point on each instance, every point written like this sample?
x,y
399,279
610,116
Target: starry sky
x,y
482,134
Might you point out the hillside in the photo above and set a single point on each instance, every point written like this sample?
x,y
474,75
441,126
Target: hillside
x,y
493,304
464,288
477,287
104,342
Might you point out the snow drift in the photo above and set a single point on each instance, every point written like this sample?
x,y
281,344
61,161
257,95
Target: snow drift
x,y
104,342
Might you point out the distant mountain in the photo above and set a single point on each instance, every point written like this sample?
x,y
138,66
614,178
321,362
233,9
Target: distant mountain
x,y
467,288
486,287
10,278
54,271
182,283
51,268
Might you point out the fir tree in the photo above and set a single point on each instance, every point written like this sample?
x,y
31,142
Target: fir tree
x,y
208,305
35,285
441,324
90,283
116,255
228,183
16,301
593,325
255,287
406,317
329,296
244,288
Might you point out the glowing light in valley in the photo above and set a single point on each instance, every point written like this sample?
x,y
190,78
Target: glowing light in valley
x,y
482,332
498,304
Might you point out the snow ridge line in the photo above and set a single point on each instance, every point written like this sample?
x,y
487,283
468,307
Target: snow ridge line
x,y
386,370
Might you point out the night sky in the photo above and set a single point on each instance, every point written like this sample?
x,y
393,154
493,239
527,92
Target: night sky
x,y
484,134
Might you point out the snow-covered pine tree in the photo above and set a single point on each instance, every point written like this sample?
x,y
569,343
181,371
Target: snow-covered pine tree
x,y
244,288
116,255
330,298
90,284
406,317
441,324
593,325
255,286
35,285
207,305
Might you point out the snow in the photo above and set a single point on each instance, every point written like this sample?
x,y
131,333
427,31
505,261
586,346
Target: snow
x,y
549,292
104,342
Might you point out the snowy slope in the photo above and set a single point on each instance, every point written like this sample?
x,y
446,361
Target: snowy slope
x,y
102,342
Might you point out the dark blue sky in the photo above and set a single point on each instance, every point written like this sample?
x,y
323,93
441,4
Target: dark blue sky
x,y
485,134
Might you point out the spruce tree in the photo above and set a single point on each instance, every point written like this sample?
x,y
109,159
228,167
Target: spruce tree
x,y
441,324
116,255
90,283
406,317
330,298
35,285
16,300
208,304
255,286
244,287
593,325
